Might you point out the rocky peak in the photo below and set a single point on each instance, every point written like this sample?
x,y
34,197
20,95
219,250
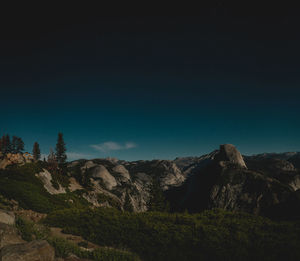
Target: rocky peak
x,y
229,153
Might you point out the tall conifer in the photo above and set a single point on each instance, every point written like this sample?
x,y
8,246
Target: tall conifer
x,y
36,152
61,155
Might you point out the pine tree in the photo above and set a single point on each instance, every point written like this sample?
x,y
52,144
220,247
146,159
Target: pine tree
x,y
3,144
20,145
14,144
157,201
60,149
8,147
36,151
17,145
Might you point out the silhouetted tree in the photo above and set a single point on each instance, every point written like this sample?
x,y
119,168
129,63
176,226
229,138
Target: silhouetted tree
x,y
3,144
36,152
61,155
6,144
17,145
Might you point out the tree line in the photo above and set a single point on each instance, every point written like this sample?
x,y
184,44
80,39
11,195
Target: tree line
x,y
16,145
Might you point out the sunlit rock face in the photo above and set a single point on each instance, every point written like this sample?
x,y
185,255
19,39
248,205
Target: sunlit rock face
x,y
120,169
228,152
100,172
18,158
46,177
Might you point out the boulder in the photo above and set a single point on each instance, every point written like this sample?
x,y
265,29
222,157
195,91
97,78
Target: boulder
x,y
7,217
37,250
89,164
229,153
9,235
120,169
100,172
74,185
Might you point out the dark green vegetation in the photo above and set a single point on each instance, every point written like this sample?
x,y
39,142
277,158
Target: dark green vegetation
x,y
211,235
21,184
63,248
30,231
157,201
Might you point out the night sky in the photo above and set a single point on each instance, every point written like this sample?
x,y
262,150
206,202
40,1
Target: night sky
x,y
144,87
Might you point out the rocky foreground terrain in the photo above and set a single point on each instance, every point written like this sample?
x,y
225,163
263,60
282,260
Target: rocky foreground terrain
x,y
264,184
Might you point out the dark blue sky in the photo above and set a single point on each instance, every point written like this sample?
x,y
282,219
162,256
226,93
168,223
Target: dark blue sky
x,y
152,87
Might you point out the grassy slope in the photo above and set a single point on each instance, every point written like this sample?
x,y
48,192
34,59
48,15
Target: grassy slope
x,y
21,184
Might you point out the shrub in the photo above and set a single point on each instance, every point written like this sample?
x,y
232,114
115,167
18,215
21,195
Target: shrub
x,y
63,248
30,230
211,235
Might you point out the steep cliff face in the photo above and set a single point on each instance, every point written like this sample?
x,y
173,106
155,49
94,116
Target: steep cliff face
x,y
229,154
227,182
112,180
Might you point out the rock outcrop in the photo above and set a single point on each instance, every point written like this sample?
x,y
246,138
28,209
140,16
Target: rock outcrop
x,y
9,235
100,172
7,217
229,153
37,250
227,182
120,169
18,158
46,178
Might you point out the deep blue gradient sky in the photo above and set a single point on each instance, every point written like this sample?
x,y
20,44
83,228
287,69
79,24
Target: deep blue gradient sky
x,y
152,87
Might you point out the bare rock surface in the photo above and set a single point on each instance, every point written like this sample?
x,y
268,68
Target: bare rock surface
x,y
100,172
46,178
9,235
7,217
228,152
295,183
18,158
122,171
37,250
74,185
89,164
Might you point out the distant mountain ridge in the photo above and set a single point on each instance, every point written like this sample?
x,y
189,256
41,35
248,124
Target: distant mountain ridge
x,y
261,184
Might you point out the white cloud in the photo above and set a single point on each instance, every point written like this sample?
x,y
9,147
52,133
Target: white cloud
x,y
76,155
44,156
111,145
